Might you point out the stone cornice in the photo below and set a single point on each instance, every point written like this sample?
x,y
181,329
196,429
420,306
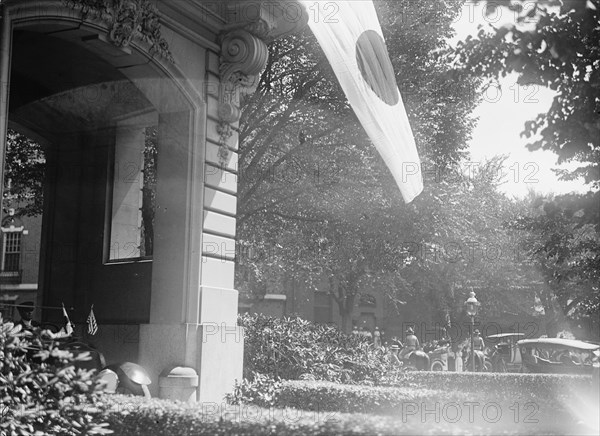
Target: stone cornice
x,y
126,19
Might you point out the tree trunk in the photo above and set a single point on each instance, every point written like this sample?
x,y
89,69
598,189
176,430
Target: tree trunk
x,y
346,320
344,292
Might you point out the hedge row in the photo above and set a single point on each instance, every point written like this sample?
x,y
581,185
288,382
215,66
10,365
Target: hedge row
x,y
548,389
133,416
364,399
504,385
326,396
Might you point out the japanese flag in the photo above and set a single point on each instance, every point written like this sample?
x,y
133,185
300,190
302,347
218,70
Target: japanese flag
x,y
350,35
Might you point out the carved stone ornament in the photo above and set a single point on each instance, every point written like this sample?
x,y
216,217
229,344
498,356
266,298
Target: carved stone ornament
x,y
243,57
126,19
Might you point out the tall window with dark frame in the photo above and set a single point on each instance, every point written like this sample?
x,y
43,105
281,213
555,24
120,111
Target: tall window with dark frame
x,y
133,192
148,208
12,251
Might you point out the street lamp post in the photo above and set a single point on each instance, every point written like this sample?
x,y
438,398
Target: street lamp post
x,y
472,305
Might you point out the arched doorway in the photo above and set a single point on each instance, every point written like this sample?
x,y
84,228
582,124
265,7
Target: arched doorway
x,y
122,147
92,82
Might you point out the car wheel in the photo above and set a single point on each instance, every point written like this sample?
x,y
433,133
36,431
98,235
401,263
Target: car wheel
x,y
437,366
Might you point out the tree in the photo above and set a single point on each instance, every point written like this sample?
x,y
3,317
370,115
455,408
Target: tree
x,y
463,244
552,44
25,165
555,44
566,248
315,198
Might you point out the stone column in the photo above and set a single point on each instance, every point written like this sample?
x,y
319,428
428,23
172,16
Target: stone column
x,y
193,315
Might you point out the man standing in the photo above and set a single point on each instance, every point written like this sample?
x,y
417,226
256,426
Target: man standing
x,y
377,338
31,326
478,344
478,347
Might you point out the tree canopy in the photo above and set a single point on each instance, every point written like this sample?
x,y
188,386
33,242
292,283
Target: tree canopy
x,y
554,44
24,176
317,201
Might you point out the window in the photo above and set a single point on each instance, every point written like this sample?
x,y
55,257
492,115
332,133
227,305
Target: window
x,y
323,310
11,259
134,189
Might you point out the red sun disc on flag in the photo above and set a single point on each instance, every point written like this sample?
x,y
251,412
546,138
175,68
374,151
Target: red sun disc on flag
x,y
375,66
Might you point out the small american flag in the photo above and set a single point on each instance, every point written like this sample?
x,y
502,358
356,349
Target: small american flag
x,y
91,322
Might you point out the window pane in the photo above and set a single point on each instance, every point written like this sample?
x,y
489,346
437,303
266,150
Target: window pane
x,y
149,192
134,189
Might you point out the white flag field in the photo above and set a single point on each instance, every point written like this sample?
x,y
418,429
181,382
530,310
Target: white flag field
x,y
351,37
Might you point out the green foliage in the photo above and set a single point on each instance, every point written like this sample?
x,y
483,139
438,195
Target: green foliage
x,y
552,44
24,176
293,348
42,393
393,411
259,389
315,199
327,396
504,385
419,387
134,417
563,240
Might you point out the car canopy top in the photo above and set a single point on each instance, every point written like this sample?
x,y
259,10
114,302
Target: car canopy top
x,y
557,343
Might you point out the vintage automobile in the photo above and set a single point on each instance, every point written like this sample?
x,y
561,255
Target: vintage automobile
x,y
444,358
557,356
504,354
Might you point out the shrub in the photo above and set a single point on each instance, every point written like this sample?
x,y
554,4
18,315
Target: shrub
x,y
328,396
389,400
40,389
293,348
259,389
503,384
134,416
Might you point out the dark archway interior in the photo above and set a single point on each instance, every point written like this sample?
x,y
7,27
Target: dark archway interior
x,y
44,66
60,86
67,87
